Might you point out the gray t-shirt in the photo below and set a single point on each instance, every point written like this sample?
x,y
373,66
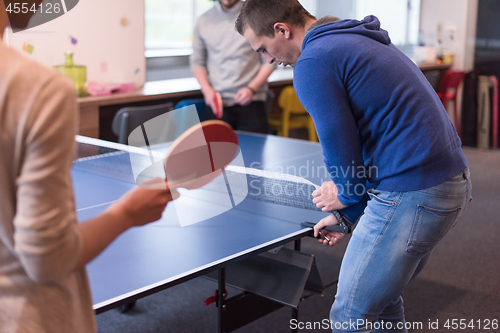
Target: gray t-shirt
x,y
230,61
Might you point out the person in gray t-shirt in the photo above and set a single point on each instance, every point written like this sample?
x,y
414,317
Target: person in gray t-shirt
x,y
223,62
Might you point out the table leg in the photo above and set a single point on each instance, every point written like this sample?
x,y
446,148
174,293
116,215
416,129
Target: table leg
x,y
220,300
295,312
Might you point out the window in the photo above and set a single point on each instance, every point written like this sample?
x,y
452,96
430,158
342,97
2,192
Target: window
x,y
401,18
170,23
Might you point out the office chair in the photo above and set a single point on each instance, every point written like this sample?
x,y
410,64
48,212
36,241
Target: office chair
x,y
129,118
198,103
293,115
449,89
124,122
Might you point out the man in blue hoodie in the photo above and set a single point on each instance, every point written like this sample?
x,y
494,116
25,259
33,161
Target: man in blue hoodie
x,y
392,150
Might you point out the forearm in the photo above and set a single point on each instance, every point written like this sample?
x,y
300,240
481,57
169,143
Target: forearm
x,y
137,207
97,233
261,77
202,76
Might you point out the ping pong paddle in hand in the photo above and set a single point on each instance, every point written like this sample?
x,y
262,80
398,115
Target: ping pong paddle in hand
x,y
217,105
204,150
143,204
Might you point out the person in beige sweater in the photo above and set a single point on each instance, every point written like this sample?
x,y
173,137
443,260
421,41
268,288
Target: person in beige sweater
x,y
43,250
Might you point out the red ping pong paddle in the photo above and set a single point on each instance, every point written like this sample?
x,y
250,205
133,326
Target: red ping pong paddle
x,y
218,111
202,151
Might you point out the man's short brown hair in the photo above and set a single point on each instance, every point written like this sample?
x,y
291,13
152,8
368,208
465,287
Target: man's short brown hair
x,y
261,15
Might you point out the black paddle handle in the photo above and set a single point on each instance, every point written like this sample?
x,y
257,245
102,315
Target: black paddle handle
x,y
343,227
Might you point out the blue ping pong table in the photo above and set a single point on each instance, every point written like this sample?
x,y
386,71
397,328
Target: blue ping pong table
x,y
148,259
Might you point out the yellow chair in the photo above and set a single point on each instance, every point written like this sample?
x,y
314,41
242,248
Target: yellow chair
x,y
293,115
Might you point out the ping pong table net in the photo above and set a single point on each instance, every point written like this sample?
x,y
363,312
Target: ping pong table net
x,y
260,185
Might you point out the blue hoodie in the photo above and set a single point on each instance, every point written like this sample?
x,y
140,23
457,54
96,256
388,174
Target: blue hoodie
x,y
374,112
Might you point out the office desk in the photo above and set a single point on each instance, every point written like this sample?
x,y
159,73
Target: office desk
x,y
93,109
434,73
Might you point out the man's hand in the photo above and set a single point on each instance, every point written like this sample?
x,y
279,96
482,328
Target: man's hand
x,y
334,236
325,197
243,96
206,88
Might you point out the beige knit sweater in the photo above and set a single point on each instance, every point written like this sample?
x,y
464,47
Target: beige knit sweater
x,y
39,241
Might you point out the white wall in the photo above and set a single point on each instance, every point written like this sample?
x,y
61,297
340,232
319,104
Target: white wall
x,y
458,14
112,52
461,14
470,34
392,15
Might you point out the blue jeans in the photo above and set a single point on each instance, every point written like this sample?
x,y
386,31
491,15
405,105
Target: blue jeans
x,y
389,247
